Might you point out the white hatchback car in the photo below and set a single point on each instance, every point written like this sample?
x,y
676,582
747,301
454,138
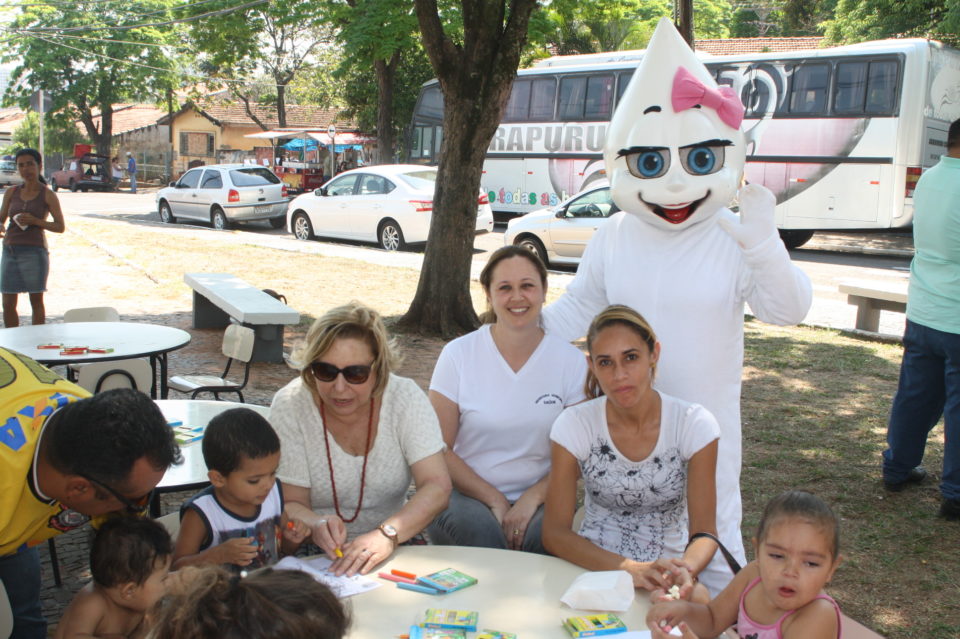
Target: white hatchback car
x,y
222,194
559,235
389,204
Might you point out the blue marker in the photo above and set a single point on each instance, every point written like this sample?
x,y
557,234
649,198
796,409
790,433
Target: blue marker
x,y
427,590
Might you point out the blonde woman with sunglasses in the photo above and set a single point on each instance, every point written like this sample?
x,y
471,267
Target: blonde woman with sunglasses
x,y
352,436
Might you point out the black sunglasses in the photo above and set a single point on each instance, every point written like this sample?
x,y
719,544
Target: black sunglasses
x,y
355,374
133,507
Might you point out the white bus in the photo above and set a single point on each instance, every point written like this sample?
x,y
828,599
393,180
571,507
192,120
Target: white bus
x,y
840,135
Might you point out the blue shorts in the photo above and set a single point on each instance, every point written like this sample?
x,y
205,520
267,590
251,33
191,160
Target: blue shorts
x,y
24,269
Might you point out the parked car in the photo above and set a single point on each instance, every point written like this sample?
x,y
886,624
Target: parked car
x,y
9,175
560,234
223,194
389,204
84,172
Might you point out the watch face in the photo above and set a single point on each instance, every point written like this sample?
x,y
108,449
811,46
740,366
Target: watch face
x,y
389,530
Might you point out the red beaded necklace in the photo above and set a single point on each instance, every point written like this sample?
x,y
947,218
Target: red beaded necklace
x,y
363,473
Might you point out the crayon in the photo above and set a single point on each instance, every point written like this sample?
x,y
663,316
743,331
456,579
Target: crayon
x,y
400,573
338,553
418,588
396,578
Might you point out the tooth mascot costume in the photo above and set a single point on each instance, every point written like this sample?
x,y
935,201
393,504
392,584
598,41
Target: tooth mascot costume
x,y
674,154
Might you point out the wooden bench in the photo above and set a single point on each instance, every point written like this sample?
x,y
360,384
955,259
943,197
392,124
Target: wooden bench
x,y
872,297
218,297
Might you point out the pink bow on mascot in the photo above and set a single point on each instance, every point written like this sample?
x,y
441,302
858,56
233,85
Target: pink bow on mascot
x,y
675,155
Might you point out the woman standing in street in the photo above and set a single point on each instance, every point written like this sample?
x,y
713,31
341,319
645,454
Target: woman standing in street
x,y
25,263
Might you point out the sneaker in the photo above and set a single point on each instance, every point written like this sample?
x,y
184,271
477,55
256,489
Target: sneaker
x,y
915,476
950,509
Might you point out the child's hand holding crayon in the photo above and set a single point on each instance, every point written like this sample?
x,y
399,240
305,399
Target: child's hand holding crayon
x,y
239,550
294,530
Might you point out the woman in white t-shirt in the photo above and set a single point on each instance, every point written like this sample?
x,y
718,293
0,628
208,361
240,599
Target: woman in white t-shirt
x,y
497,391
352,436
647,460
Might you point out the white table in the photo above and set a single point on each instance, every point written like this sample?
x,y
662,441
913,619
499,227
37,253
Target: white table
x,y
127,339
515,592
192,473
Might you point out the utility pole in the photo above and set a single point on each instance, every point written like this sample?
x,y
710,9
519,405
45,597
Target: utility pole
x,y
684,19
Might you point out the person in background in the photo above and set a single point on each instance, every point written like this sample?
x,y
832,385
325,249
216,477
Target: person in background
x,y
129,562
25,262
211,603
353,434
239,519
132,171
929,384
648,463
497,392
116,171
780,593
66,457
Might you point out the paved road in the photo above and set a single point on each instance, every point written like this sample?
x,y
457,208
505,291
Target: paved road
x,y
886,256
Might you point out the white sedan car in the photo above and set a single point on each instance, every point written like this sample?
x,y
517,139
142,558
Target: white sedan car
x,y
560,234
222,194
389,204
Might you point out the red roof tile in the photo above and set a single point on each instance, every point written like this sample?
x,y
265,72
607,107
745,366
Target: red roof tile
x,y
298,116
733,46
129,117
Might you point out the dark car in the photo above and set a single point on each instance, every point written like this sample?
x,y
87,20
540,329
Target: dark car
x,y
89,171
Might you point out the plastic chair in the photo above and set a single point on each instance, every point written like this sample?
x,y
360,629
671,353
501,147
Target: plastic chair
x,y
92,314
237,345
170,521
126,373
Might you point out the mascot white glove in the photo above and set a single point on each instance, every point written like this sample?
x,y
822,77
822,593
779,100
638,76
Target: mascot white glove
x,y
756,222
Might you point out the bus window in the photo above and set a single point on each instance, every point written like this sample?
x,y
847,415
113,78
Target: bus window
x,y
572,90
586,98
518,106
808,88
623,79
599,99
431,103
426,144
531,100
882,87
416,142
851,87
543,97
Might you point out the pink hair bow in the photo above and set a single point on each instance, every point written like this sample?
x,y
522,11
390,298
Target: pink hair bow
x,y
688,91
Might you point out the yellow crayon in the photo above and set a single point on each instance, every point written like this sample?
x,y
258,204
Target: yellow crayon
x,y
338,553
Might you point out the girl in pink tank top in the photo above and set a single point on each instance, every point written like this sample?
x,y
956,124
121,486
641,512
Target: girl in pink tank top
x,y
25,264
780,594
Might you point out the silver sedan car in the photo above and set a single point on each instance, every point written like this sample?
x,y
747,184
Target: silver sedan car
x,y
223,194
560,234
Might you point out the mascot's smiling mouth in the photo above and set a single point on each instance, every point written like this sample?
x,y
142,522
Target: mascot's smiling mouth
x,y
675,214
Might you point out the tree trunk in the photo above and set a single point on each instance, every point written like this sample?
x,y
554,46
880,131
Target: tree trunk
x,y
281,105
475,77
386,73
685,20
101,138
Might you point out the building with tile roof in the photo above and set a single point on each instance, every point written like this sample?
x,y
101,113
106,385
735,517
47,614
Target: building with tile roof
x,y
736,46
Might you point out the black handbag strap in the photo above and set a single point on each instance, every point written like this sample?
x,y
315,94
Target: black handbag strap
x,y
731,561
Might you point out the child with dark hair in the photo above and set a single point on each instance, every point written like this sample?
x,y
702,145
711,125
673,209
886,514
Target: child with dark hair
x,y
780,593
239,520
268,604
129,561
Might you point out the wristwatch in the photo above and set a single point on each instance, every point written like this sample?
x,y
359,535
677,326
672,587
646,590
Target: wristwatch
x,y
389,532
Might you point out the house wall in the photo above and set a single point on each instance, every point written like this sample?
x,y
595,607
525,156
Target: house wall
x,y
233,137
192,122
154,140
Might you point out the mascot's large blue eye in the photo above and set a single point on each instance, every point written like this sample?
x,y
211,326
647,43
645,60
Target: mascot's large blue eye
x,y
702,160
648,164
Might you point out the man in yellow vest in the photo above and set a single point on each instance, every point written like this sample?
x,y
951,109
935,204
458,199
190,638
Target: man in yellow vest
x,y
66,457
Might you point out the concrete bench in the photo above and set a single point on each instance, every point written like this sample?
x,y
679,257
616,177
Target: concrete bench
x,y
220,297
872,297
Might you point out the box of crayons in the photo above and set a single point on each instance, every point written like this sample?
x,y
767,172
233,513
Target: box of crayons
x,y
495,634
419,632
592,625
451,619
447,580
